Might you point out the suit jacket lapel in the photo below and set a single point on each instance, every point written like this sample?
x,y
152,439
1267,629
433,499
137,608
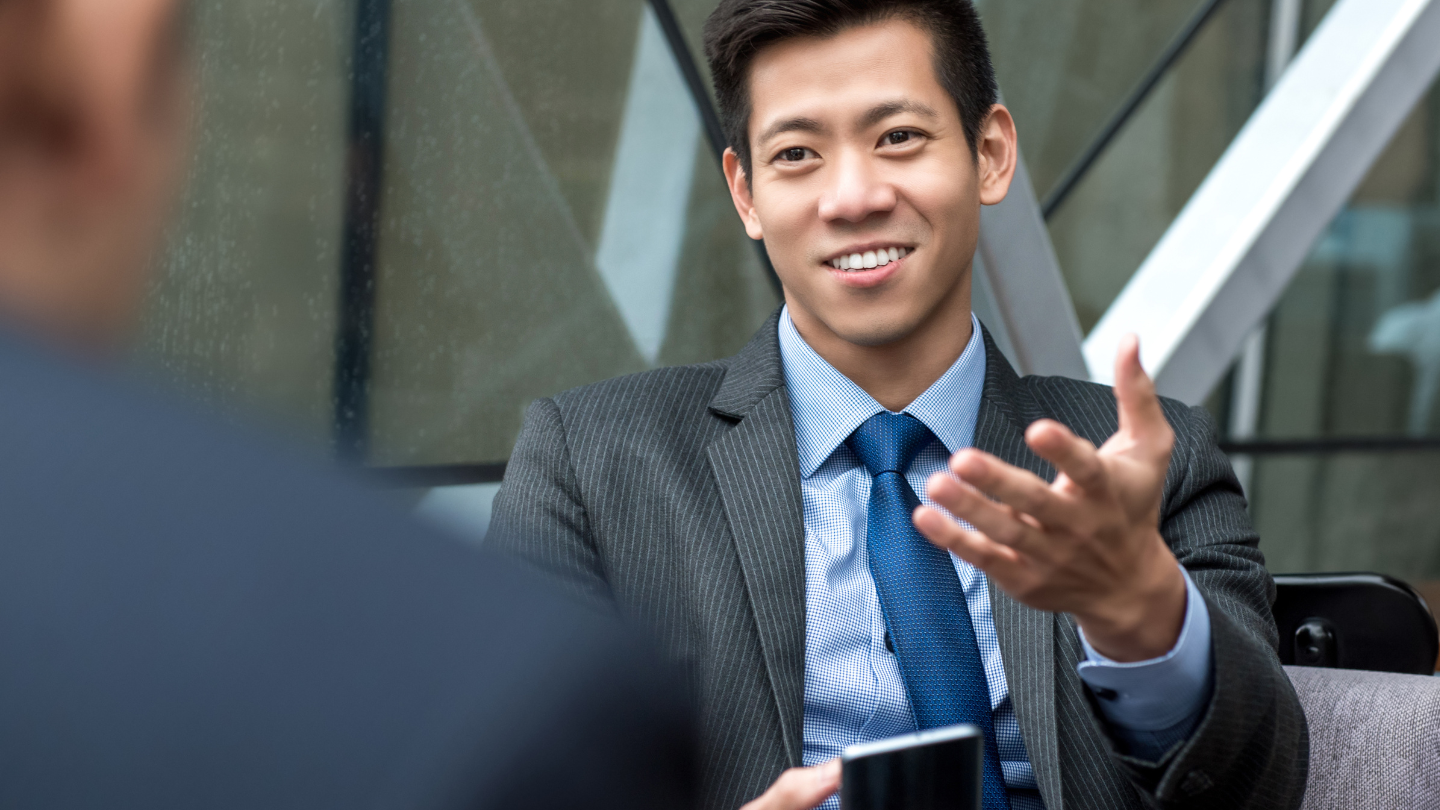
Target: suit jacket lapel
x,y
758,473
1027,636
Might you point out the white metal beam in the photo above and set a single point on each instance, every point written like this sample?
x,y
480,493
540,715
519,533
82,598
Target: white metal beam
x,y
644,228
1231,252
1249,386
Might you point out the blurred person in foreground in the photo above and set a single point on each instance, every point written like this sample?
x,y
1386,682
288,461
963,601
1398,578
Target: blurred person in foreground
x,y
186,622
783,517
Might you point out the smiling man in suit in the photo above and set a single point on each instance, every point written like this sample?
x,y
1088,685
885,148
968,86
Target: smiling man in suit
x,y
1103,614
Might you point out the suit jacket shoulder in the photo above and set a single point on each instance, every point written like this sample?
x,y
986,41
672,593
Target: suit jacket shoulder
x,y
584,451
593,463
602,406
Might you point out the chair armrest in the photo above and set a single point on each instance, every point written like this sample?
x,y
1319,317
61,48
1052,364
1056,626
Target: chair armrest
x,y
1374,738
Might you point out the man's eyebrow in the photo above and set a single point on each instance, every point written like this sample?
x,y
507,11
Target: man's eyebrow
x,y
880,112
797,124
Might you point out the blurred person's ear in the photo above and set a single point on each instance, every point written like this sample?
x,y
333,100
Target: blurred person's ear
x,y
94,111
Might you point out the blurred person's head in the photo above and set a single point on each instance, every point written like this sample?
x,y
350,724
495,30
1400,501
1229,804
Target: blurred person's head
x,y
856,127
93,119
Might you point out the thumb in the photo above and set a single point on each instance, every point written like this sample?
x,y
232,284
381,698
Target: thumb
x,y
800,788
1140,414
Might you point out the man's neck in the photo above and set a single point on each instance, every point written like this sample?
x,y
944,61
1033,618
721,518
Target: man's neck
x,y
898,372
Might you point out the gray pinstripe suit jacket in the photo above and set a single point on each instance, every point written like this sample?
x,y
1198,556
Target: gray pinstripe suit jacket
x,y
674,495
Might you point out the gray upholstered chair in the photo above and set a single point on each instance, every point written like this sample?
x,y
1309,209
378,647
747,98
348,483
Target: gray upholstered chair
x,y
1374,738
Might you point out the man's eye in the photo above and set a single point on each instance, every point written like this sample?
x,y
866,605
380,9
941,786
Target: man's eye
x,y
793,154
898,137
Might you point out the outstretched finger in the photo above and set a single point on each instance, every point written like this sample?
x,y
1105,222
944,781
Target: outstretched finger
x,y
997,521
1020,489
1072,455
1140,414
998,560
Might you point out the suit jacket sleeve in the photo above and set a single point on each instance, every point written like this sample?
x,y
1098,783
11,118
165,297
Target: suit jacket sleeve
x,y
1250,748
539,515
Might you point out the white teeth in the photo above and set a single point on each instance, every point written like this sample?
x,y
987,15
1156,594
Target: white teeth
x,y
869,259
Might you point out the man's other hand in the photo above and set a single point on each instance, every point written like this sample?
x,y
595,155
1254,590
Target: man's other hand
x,y
1088,544
800,788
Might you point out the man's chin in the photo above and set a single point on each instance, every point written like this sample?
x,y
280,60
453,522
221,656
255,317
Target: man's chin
x,y
873,336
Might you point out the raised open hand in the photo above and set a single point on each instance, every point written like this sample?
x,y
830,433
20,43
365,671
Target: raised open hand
x,y
1087,544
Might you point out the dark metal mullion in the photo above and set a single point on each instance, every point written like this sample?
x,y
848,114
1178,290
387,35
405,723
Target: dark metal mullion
x,y
1132,102
1322,446
437,475
356,320
691,71
714,132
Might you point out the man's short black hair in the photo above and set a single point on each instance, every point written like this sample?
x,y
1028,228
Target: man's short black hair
x,y
738,29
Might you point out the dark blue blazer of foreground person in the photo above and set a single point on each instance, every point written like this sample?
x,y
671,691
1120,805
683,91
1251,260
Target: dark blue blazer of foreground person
x,y
186,623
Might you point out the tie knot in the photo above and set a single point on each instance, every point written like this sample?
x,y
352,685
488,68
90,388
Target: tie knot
x,y
889,442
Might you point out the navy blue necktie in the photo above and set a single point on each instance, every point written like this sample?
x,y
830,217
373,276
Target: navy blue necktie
x,y
921,596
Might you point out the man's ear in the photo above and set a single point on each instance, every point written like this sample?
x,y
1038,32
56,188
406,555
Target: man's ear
x,y
997,152
741,194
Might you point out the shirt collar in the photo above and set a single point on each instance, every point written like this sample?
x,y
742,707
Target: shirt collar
x,y
827,406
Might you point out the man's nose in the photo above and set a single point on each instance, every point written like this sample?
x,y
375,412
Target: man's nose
x,y
857,190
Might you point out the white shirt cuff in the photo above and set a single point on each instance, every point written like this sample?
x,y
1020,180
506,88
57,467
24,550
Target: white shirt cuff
x,y
1162,692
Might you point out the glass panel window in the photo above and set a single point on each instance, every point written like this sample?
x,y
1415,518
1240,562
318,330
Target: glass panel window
x,y
553,216
245,309
1121,207
550,213
1354,351
1066,66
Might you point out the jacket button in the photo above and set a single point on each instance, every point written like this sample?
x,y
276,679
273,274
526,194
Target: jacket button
x,y
1196,782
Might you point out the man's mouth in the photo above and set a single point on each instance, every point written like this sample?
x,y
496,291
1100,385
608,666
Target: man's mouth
x,y
868,259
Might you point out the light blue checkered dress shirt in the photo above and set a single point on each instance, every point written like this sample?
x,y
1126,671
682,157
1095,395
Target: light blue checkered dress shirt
x,y
853,688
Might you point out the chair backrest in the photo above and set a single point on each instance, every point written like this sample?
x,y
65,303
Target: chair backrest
x,y
1374,739
1354,621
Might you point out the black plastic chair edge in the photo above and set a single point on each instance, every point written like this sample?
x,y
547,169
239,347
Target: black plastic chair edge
x,y
1369,578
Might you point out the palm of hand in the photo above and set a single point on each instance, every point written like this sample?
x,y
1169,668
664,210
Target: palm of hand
x,y
1089,542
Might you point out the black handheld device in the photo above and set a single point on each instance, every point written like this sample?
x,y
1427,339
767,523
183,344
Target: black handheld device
x,y
935,769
